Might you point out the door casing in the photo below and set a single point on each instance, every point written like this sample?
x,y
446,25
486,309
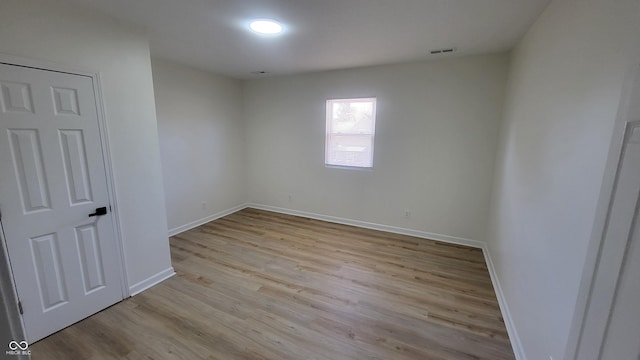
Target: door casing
x,y
9,296
8,290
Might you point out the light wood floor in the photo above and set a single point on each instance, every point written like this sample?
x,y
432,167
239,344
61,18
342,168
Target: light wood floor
x,y
260,285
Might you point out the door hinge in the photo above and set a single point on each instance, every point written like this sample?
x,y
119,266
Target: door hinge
x,y
20,307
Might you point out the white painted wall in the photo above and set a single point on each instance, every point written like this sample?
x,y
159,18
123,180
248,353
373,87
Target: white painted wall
x,y
57,32
435,145
564,89
201,142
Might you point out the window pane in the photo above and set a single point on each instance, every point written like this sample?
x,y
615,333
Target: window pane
x,y
352,116
350,150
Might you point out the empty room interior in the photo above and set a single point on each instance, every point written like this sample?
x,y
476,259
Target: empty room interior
x,y
339,179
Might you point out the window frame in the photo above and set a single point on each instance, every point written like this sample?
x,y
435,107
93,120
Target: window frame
x,y
330,134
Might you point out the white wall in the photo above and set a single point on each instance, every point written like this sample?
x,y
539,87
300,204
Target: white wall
x,y
563,93
201,142
435,145
66,34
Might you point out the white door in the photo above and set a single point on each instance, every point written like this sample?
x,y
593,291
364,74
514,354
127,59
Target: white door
x,y
52,176
607,319
622,336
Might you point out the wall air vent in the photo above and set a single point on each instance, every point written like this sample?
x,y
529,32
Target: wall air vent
x,y
442,51
260,72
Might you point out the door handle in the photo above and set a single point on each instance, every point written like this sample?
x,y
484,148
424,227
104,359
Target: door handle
x,y
99,212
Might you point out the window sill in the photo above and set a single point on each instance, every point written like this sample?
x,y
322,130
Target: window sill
x,y
344,167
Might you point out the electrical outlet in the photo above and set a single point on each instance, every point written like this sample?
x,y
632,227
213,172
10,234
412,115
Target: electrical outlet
x,y
290,198
204,206
407,214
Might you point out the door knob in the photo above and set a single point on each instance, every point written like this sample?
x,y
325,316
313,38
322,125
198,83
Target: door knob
x,y
99,212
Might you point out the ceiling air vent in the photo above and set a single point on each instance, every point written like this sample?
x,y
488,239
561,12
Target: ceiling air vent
x,y
442,51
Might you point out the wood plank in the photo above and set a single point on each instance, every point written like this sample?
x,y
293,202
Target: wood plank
x,y
261,285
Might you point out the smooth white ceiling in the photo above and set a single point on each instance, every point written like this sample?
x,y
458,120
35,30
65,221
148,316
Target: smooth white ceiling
x,y
321,34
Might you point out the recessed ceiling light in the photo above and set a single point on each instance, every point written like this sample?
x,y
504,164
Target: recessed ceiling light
x,y
266,26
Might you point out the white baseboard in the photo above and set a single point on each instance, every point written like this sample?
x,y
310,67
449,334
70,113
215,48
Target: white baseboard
x,y
516,344
151,281
194,224
373,226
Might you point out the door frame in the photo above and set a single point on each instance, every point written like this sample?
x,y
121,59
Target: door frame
x,y
9,288
588,328
8,294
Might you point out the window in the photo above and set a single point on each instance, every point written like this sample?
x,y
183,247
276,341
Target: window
x,y
350,132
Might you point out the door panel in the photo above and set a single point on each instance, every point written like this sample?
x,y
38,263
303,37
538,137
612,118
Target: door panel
x,y
75,166
46,258
52,175
27,159
16,97
90,257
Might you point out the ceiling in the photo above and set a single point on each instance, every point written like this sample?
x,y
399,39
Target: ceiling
x,y
321,34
